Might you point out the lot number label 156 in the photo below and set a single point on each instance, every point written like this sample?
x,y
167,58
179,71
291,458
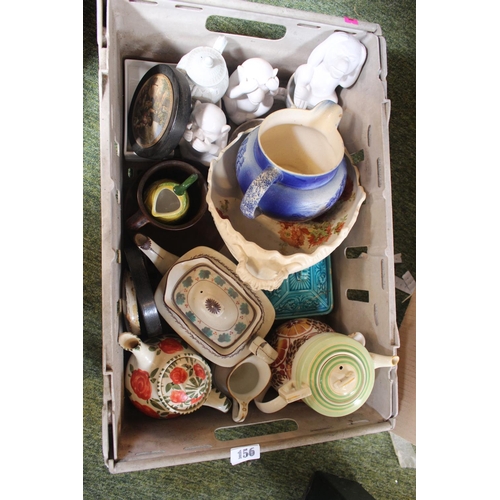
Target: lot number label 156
x,y
244,453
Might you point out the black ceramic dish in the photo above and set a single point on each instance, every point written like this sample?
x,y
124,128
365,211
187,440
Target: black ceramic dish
x,y
159,112
151,325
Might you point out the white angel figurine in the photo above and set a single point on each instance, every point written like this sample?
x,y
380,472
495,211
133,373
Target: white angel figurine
x,y
337,61
251,90
206,133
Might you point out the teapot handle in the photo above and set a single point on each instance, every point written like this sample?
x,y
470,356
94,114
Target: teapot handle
x,y
262,349
257,189
220,44
359,337
287,393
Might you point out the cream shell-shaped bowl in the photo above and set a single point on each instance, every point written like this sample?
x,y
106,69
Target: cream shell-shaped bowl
x,y
269,250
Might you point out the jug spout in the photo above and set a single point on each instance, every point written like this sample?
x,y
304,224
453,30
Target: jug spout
x,y
162,259
381,361
326,116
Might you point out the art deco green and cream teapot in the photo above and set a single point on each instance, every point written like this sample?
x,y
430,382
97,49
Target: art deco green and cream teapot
x,y
331,372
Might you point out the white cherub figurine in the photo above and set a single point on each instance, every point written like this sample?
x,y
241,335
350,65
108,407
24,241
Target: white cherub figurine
x,y
206,133
336,61
251,90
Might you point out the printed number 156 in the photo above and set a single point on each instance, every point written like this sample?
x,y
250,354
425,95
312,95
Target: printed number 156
x,y
246,452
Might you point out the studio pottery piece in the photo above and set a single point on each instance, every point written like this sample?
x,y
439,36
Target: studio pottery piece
x,y
171,196
243,382
168,378
269,250
206,303
331,372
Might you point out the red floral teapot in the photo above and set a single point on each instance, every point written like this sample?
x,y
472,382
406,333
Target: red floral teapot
x,y
168,378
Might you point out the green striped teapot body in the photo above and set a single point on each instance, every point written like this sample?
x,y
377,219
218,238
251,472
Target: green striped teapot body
x,y
331,372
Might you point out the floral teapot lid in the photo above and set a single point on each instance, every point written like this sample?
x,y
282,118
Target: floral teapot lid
x,y
184,383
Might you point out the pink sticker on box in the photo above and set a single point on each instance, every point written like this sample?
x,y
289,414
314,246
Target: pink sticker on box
x,y
350,20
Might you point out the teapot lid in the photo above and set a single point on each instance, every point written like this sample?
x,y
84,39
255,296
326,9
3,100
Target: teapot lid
x,y
203,299
220,308
205,66
184,383
339,371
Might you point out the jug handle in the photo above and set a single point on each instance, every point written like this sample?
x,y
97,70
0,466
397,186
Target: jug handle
x,y
257,189
287,393
240,411
137,221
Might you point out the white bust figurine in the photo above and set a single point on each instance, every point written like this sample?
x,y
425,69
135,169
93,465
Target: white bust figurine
x,y
206,133
251,90
337,61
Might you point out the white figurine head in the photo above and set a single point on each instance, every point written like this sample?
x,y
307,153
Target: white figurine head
x,y
206,133
262,71
342,55
210,118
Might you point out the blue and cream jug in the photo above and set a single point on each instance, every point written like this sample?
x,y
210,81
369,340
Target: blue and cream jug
x,y
292,166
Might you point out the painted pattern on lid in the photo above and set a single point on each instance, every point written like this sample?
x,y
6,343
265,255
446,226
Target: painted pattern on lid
x,y
209,301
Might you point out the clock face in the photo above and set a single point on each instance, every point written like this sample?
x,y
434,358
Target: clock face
x,y
152,110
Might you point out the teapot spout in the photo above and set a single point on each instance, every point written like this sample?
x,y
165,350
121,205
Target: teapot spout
x,y
218,401
162,259
130,342
381,361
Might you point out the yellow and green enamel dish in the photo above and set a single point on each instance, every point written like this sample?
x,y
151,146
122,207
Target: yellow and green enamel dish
x,y
168,201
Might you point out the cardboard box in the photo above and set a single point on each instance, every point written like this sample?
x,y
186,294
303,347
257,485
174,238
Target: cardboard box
x,y
163,31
